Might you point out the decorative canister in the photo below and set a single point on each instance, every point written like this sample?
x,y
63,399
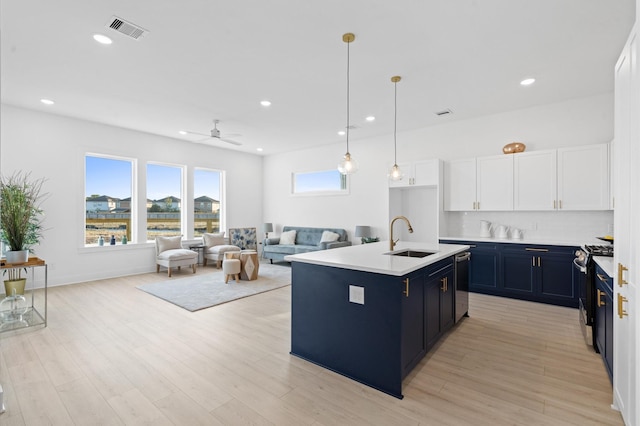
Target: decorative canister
x,y
113,240
100,241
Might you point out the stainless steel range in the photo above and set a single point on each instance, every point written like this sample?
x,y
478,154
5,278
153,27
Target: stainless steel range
x,y
585,263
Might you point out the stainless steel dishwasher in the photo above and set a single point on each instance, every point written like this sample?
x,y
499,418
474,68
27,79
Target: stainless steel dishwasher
x,y
462,284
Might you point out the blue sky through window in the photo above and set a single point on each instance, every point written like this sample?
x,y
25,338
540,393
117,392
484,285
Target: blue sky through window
x,y
107,176
327,180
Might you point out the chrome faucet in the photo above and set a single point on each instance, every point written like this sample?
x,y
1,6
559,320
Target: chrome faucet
x,y
392,243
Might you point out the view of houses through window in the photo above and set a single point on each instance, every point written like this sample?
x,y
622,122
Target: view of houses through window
x,y
109,202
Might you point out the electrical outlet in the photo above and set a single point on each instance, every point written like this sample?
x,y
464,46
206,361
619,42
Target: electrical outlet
x,y
356,294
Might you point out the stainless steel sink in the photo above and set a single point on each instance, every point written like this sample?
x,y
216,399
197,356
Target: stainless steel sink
x,y
412,253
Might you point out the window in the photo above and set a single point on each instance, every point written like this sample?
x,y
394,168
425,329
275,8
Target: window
x,y
164,200
207,203
329,182
108,188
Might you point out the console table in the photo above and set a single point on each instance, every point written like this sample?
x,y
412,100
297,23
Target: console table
x,y
28,315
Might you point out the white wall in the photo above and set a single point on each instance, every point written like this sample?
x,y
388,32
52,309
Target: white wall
x,y
53,147
572,123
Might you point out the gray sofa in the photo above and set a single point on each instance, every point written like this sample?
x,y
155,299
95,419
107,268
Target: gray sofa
x,y
307,239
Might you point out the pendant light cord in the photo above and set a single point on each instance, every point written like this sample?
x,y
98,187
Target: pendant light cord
x,y
347,130
395,121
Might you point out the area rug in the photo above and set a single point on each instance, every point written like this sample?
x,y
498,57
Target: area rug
x,y
204,291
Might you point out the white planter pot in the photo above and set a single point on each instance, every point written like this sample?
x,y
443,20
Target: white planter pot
x,y
20,256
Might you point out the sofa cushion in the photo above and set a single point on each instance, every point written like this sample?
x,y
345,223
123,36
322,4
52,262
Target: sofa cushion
x,y
288,237
169,243
281,248
299,248
328,237
178,254
213,239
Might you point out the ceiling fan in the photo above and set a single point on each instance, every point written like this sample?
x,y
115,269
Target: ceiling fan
x,y
215,133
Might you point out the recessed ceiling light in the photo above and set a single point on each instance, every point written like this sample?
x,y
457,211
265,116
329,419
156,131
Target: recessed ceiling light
x,y
182,132
370,118
259,149
47,101
265,103
527,81
102,39
342,133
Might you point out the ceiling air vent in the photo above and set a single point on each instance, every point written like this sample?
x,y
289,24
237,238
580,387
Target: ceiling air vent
x,y
127,28
443,112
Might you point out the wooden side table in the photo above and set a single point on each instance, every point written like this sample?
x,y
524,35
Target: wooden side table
x,y
249,265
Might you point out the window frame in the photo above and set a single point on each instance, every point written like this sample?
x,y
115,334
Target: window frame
x,y
316,193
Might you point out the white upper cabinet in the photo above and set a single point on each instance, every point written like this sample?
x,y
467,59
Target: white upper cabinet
x,y
535,183
484,183
575,178
494,185
460,185
583,178
420,173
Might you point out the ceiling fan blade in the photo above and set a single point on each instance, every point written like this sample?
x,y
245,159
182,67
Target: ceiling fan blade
x,y
196,133
230,141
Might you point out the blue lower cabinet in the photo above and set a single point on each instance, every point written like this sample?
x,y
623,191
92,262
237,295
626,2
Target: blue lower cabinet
x,y
376,339
539,273
604,318
440,303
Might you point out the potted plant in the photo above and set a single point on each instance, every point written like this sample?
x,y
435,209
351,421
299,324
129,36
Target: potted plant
x,y
20,219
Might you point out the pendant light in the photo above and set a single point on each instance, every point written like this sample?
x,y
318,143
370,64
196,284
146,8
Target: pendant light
x,y
348,165
395,173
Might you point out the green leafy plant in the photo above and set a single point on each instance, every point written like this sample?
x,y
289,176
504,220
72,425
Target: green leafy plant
x,y
21,215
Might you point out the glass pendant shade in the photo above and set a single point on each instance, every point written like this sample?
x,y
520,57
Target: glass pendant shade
x,y
348,165
395,173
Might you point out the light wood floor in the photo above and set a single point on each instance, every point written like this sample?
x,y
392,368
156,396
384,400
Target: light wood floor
x,y
115,355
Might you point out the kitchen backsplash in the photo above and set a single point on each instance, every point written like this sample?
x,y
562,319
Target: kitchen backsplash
x,y
556,225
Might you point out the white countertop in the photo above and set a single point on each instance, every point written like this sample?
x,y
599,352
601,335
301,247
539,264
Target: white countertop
x,y
606,263
542,241
372,258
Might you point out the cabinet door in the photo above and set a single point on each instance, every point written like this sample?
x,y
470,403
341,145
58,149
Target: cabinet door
x,y
447,300
483,268
583,178
557,279
413,322
426,173
608,340
460,185
518,272
535,180
432,308
494,184
601,319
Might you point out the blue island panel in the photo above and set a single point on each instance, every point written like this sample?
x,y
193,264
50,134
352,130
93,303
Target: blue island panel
x,y
362,342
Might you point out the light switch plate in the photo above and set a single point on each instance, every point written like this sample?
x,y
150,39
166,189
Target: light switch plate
x,y
356,294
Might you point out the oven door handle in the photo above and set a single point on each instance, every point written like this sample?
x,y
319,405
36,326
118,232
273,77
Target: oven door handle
x,y
580,267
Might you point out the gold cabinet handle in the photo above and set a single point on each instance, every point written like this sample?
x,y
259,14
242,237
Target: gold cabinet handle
x,y
446,283
533,261
536,249
538,260
602,278
443,287
478,205
621,312
600,302
560,204
554,204
621,269
406,287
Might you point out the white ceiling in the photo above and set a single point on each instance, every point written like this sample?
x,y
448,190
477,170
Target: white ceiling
x,y
205,59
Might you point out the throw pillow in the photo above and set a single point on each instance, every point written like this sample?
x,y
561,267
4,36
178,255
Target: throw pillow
x,y
213,239
169,243
288,237
328,237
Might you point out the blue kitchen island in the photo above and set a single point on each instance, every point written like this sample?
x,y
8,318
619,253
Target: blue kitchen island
x,y
371,314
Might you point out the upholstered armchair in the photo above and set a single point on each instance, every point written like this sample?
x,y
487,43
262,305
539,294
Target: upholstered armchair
x,y
170,254
215,246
